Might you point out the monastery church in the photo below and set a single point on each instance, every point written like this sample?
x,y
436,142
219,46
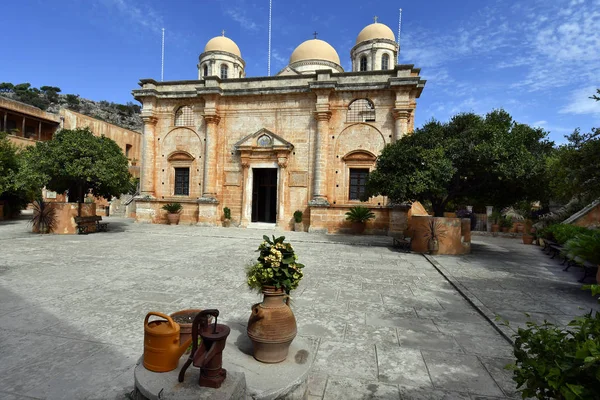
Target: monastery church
x,y
304,139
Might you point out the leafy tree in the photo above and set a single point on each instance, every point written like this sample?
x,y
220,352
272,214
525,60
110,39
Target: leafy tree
x,y
6,87
72,101
490,159
51,93
596,96
78,162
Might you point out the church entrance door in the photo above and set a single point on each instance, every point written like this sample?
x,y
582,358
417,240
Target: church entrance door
x,y
264,195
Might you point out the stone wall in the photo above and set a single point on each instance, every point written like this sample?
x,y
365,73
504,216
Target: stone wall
x,y
152,212
590,218
65,214
455,239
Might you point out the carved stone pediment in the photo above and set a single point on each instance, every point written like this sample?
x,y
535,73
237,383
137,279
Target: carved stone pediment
x,y
360,155
263,140
180,156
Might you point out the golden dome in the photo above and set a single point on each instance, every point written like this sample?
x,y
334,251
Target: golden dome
x,y
315,49
375,31
222,43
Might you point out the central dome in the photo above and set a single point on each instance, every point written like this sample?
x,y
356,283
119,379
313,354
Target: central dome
x,y
315,49
222,43
375,31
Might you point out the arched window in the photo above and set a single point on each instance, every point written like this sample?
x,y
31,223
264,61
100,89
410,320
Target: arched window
x,y
205,70
361,110
363,63
184,116
385,61
240,74
224,71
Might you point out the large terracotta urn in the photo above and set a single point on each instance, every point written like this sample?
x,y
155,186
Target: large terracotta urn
x,y
272,326
173,218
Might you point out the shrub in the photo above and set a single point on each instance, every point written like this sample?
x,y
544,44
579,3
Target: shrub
x,y
298,216
556,363
359,214
44,217
172,208
506,222
227,213
586,246
277,266
561,233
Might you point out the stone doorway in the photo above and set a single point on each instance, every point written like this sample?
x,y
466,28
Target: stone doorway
x,y
264,195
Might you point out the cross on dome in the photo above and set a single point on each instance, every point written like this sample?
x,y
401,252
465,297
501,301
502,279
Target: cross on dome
x,y
315,33
375,18
223,32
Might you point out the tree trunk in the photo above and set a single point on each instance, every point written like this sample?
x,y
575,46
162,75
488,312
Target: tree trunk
x,y
79,199
438,209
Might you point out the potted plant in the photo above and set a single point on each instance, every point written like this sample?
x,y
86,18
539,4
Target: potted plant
x,y
506,224
272,325
496,218
298,225
43,218
226,217
134,161
173,210
435,231
358,216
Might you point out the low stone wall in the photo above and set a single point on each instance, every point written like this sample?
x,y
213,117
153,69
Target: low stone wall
x,y
65,214
150,211
333,220
455,240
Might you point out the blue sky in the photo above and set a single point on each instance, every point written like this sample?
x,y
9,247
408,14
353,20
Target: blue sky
x,y
538,59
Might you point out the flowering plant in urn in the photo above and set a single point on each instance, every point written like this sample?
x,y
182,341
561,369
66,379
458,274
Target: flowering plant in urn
x,y
272,325
277,266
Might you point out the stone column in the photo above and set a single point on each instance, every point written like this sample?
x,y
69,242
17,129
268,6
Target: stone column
x,y
209,187
148,156
320,161
488,211
4,127
23,128
246,194
400,122
40,131
281,189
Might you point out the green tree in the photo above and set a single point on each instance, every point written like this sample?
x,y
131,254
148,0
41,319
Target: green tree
x,y
6,87
490,159
51,93
78,162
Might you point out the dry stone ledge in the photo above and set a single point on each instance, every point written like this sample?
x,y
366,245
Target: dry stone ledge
x,y
246,377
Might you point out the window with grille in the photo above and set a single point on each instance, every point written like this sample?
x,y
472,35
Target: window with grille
x,y
385,61
358,183
361,110
184,116
205,70
224,71
363,63
182,181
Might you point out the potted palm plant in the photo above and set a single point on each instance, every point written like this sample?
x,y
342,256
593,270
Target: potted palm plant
x,y
173,210
435,231
358,216
506,223
496,217
298,225
226,217
272,325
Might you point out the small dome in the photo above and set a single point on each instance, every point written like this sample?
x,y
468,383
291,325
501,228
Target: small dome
x,y
375,31
315,49
222,43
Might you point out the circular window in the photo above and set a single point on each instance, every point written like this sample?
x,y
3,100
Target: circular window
x,y
264,141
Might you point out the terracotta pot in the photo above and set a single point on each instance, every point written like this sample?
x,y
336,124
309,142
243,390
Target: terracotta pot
x,y
520,228
505,229
226,223
527,239
298,226
495,228
433,246
358,227
173,218
271,327
185,328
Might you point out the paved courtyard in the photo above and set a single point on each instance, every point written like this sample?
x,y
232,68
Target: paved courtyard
x,y
389,325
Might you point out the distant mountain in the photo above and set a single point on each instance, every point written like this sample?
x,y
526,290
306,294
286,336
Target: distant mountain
x,y
49,98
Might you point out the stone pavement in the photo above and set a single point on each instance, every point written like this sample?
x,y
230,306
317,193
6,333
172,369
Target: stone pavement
x,y
518,282
389,325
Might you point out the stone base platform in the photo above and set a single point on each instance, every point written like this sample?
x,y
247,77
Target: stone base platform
x,y
246,377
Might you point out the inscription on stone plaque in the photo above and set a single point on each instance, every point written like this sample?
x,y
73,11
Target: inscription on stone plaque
x,y
232,178
298,178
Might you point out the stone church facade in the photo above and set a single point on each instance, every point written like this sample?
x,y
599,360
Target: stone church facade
x,y
304,139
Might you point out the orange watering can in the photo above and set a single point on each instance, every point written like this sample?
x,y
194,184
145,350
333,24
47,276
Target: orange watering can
x,y
162,347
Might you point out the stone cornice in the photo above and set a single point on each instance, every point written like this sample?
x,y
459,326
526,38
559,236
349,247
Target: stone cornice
x,y
212,118
322,115
402,113
219,52
374,41
149,119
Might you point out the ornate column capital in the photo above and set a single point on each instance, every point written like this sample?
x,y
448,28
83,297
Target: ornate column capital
x,y
149,119
282,162
401,113
212,118
322,115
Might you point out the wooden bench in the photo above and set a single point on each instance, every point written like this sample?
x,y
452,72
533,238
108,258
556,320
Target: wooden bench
x,y
401,242
85,223
589,269
102,226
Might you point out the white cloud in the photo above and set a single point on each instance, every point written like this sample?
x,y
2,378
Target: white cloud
x,y
540,123
239,15
580,102
146,18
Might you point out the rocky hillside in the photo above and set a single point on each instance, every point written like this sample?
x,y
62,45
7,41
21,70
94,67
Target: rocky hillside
x,y
49,98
